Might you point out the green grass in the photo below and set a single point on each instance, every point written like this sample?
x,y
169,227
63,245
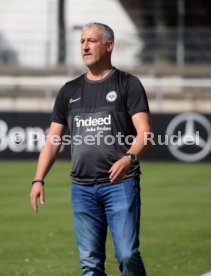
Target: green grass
x,y
176,222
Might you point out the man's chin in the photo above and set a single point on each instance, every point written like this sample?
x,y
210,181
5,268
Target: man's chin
x,y
89,63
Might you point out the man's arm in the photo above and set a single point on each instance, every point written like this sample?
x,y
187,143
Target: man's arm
x,y
46,159
120,168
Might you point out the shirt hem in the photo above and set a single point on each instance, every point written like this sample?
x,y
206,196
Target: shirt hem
x,y
99,182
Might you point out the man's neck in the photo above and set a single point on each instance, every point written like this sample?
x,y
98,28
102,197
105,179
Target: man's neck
x,y
99,74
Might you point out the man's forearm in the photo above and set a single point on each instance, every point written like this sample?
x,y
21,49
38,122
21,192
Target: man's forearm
x,y
142,124
139,146
46,159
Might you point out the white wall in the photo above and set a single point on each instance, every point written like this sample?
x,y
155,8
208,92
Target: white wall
x,y
29,28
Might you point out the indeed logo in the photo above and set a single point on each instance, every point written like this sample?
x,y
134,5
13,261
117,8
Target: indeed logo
x,y
92,121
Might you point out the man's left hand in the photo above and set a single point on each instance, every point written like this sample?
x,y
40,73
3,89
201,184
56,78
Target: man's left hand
x,y
119,169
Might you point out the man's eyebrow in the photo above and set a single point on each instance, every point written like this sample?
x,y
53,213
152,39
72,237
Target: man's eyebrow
x,y
88,38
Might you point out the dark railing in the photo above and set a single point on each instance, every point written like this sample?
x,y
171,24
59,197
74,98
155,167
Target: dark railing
x,y
163,45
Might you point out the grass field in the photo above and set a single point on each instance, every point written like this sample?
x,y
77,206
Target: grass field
x,y
176,222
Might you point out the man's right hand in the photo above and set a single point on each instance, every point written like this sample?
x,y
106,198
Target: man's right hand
x,y
37,190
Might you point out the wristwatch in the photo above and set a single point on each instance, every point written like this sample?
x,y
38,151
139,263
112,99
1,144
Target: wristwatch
x,y
132,157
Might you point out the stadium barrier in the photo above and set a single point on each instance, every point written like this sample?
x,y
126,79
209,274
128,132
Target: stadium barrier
x,y
166,94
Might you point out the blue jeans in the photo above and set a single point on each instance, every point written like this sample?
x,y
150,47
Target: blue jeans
x,y
115,205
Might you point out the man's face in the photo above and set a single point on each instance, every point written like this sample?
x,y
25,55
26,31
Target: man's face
x,y
93,49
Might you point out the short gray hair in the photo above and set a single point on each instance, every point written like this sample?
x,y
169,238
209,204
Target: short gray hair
x,y
107,32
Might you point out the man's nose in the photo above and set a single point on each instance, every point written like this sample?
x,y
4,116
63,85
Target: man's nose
x,y
86,45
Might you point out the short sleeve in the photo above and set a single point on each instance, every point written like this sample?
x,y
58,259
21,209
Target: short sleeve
x,y
136,97
59,111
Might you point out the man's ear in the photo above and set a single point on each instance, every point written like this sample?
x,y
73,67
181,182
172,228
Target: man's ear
x,y
109,46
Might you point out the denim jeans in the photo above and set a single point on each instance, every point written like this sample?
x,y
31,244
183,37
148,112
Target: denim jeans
x,y
106,204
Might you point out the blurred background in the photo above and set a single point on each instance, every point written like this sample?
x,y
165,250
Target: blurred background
x,y
164,43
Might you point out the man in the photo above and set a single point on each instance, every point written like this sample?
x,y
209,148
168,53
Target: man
x,y
104,110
